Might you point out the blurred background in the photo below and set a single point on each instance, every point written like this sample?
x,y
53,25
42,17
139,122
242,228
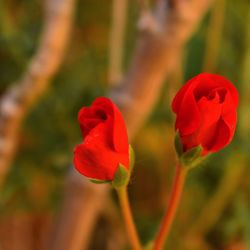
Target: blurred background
x,y
57,56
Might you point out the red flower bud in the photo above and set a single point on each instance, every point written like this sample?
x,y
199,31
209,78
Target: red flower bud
x,y
205,110
105,141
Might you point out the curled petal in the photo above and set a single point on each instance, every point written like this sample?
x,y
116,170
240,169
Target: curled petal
x,y
90,117
101,134
188,118
178,99
229,114
105,104
97,161
87,124
210,111
120,137
206,112
206,82
105,143
220,138
95,157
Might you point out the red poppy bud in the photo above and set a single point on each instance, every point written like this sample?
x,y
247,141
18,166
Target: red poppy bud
x,y
105,141
205,110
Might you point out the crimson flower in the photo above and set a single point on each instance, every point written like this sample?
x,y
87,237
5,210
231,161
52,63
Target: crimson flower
x,y
105,141
205,110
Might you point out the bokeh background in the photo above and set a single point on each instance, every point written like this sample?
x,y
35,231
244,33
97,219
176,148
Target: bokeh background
x,y
34,213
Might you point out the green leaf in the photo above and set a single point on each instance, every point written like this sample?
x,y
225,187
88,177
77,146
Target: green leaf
x,y
121,178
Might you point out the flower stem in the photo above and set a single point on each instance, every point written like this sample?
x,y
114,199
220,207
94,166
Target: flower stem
x,y
168,218
126,211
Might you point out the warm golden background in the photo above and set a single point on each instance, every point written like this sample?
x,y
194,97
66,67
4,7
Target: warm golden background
x,y
58,55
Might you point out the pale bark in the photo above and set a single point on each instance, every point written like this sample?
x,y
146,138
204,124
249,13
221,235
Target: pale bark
x,y
155,57
163,35
16,102
16,232
117,34
82,204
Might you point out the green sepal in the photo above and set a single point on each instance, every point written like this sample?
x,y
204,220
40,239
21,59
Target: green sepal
x,y
96,181
122,174
121,177
178,145
192,157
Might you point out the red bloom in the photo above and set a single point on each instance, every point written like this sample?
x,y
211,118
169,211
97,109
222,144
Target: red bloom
x,y
105,140
206,112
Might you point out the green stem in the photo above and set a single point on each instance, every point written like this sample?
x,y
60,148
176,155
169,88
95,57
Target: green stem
x,y
128,218
168,218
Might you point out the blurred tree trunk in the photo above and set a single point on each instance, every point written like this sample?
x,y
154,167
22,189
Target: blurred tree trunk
x,y
162,38
25,231
117,33
17,101
17,231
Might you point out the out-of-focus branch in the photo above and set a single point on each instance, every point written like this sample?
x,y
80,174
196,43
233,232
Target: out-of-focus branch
x,y
16,232
154,59
116,238
117,32
176,79
16,102
143,4
214,35
83,202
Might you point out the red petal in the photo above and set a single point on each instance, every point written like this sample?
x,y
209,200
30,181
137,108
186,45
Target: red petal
x,y
97,161
230,87
120,137
105,144
202,84
90,117
104,103
102,133
87,166
98,112
220,138
208,82
87,124
188,118
210,111
189,141
178,99
229,114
